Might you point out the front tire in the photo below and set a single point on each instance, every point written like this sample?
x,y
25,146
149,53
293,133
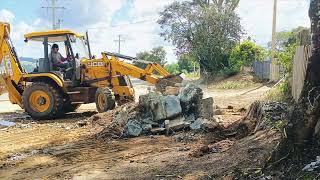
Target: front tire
x,y
105,100
42,101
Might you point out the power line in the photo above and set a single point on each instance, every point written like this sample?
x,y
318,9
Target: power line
x,y
119,40
119,25
53,7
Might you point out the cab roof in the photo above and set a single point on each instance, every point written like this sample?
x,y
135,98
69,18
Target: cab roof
x,y
53,35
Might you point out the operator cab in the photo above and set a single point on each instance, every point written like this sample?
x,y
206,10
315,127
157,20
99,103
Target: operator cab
x,y
72,46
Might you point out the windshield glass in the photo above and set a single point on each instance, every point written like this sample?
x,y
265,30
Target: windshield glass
x,y
79,46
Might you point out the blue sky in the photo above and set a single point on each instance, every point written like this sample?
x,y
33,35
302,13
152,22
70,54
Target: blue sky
x,y
106,19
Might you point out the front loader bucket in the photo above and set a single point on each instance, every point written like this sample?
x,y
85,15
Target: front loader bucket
x,y
172,80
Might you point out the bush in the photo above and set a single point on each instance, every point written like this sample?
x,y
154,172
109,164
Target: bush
x,y
229,71
245,54
173,68
280,93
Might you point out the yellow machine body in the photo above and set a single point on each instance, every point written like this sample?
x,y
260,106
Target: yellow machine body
x,y
46,93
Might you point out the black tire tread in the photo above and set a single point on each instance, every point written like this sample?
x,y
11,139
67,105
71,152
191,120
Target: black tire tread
x,y
110,99
57,96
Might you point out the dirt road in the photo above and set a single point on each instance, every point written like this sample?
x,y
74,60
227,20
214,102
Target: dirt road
x,y
63,149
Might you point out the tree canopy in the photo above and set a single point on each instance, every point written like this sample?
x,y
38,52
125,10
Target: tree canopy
x,y
246,53
287,42
157,54
206,30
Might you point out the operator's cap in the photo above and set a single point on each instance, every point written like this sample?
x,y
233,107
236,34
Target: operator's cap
x,y
55,46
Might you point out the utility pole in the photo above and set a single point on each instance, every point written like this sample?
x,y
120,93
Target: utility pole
x,y
53,7
274,70
58,26
119,40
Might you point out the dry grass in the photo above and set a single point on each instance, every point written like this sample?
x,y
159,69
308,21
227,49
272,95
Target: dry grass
x,y
239,81
235,85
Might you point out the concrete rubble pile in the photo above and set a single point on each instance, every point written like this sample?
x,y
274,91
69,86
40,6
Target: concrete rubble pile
x,y
165,114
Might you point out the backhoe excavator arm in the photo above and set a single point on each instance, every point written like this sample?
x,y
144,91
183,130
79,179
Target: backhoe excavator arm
x,y
153,73
11,70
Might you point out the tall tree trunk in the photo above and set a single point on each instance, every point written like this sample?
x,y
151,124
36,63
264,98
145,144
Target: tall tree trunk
x,y
306,113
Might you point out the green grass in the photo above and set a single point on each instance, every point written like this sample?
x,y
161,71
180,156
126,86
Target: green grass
x,y
280,93
192,75
234,85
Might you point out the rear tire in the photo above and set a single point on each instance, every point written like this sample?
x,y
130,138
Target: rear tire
x,y
42,101
105,100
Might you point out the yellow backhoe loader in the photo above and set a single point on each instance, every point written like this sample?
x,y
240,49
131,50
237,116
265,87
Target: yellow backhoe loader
x,y
47,93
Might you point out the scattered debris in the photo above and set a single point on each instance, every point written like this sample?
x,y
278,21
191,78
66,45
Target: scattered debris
x,y
207,108
201,151
6,123
172,90
82,123
133,129
20,156
313,165
163,114
218,112
202,123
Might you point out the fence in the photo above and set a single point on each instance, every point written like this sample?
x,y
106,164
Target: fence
x,y
262,69
300,63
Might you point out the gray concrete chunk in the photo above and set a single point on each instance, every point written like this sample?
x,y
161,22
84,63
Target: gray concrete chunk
x,y
173,107
132,129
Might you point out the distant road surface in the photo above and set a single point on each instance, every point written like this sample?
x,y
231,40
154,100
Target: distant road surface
x,y
6,106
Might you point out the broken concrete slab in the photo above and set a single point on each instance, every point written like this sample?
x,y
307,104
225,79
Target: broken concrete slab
x,y
198,124
163,114
178,124
146,127
132,129
207,108
190,118
190,98
158,130
172,106
160,107
204,124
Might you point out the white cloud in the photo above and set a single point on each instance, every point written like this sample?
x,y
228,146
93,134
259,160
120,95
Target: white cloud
x,y
83,14
147,8
80,13
256,17
6,16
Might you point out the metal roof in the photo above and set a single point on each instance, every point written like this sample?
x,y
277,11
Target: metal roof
x,y
53,35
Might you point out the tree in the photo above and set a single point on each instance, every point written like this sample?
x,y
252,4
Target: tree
x,y
202,30
245,54
285,57
287,38
304,118
286,44
173,68
227,5
187,63
157,55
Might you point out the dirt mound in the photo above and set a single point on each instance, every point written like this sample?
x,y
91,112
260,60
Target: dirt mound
x,y
261,116
167,114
